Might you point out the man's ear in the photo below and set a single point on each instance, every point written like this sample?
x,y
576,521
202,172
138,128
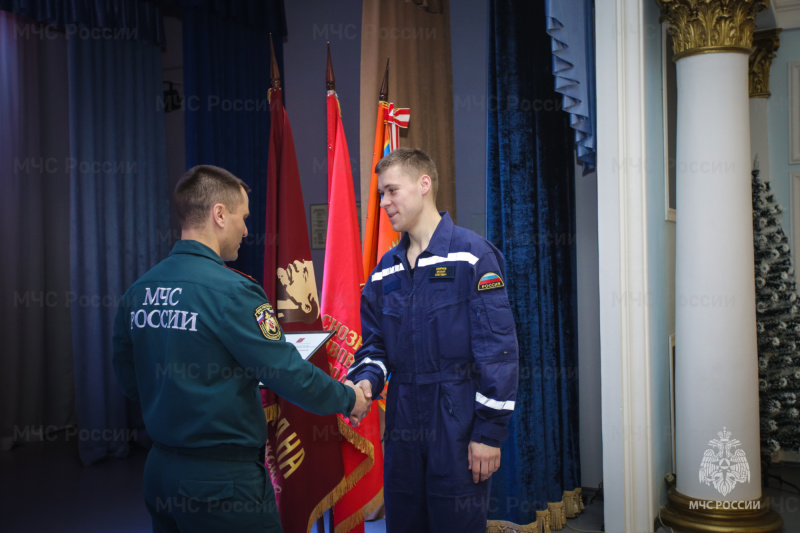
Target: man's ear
x,y
425,184
218,213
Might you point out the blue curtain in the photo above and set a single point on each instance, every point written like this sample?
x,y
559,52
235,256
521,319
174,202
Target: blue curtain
x,y
530,210
119,222
226,79
91,19
36,386
570,23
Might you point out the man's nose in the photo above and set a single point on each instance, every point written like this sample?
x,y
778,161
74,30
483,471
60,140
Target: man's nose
x,y
384,201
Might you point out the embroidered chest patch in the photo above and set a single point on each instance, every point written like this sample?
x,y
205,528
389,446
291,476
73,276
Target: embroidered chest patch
x,y
442,272
490,280
265,316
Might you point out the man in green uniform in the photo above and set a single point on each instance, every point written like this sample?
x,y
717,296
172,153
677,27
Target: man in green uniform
x,y
192,340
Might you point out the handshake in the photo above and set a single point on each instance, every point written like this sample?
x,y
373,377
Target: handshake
x,y
363,400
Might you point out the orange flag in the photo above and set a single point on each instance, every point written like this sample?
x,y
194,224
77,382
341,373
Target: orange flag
x,y
341,295
379,237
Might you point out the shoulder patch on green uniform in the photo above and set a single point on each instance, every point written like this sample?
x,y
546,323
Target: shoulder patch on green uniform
x,y
268,322
490,280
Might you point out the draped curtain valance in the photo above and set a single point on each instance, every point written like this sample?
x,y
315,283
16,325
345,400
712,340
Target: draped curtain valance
x,y
124,19
571,28
265,16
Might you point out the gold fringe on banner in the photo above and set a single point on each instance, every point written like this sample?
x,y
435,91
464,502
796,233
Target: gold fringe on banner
x,y
353,437
346,483
327,502
553,518
355,519
373,506
350,522
271,412
364,446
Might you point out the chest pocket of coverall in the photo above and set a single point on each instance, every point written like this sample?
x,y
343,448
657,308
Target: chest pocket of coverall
x,y
392,311
448,316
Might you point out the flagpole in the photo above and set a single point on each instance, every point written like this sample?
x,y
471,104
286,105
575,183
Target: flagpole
x,y
330,85
373,209
330,80
274,74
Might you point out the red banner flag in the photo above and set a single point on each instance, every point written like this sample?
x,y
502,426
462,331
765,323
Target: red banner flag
x,y
303,449
341,296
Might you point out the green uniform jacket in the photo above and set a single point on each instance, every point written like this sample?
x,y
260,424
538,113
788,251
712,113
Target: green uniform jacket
x,y
193,338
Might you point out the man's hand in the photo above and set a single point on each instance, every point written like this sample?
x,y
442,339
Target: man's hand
x,y
362,405
484,460
367,387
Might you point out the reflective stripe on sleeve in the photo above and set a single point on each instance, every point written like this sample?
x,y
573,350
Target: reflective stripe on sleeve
x,y
494,404
367,360
452,256
377,276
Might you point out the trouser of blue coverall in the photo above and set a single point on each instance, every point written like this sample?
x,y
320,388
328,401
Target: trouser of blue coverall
x,y
211,493
428,486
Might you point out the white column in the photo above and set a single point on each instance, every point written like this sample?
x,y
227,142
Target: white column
x,y
716,355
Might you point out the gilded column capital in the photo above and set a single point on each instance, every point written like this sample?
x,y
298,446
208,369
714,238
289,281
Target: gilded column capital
x,y
703,26
765,44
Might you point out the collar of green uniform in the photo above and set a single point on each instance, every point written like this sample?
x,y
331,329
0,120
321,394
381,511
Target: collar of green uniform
x,y
187,246
440,240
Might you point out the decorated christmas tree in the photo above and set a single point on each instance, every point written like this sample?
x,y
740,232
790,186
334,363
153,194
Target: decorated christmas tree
x,y
778,326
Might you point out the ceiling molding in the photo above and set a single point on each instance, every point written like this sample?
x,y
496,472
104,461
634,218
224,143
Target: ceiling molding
x,y
783,14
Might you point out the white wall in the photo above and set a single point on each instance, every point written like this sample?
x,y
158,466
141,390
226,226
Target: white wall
x,y
778,116
588,313
661,250
636,263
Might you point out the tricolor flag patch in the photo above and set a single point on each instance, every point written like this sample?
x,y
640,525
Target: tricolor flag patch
x,y
265,317
490,280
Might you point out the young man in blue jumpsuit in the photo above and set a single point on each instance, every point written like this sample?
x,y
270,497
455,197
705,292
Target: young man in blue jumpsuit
x,y
435,314
192,340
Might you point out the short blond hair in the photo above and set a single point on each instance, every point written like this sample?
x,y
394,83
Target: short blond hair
x,y
413,162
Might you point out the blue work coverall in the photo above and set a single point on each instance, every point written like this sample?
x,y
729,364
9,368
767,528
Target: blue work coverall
x,y
192,340
446,334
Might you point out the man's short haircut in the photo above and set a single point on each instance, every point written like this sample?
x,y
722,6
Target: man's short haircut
x,y
202,187
412,161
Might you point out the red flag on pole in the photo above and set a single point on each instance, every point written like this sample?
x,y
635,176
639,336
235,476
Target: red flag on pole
x,y
341,296
303,449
